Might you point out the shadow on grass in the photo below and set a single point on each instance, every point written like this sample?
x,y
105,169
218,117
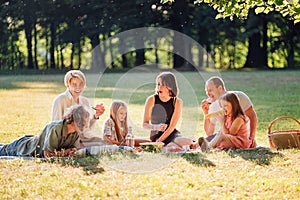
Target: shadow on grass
x,y
198,159
260,156
92,164
89,164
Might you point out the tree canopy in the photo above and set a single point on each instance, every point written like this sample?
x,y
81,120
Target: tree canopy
x,y
42,35
241,8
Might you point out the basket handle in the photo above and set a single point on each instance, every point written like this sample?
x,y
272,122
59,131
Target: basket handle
x,y
279,118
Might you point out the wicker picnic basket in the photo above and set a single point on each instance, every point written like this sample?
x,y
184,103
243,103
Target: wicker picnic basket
x,y
284,139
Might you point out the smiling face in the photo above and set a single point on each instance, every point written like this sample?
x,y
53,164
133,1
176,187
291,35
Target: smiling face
x,y
76,87
227,106
213,92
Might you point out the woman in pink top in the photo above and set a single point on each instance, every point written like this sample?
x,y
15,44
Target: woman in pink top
x,y
235,130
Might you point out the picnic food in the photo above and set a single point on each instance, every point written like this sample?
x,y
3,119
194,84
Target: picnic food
x,y
209,100
152,146
214,114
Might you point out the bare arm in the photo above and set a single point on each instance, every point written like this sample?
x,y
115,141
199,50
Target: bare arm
x,y
147,112
107,138
209,127
66,152
253,121
235,127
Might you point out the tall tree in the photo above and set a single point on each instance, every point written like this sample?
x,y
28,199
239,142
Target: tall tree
x,y
257,40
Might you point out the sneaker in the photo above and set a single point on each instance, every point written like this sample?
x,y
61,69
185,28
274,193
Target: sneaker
x,y
203,144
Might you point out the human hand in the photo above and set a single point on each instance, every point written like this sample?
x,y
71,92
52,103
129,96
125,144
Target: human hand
x,y
253,142
71,152
99,110
159,127
205,105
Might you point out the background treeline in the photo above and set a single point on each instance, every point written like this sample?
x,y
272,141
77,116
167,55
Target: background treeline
x,y
52,34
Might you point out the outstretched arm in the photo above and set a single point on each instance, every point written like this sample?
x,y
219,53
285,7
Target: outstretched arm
x,y
63,153
108,138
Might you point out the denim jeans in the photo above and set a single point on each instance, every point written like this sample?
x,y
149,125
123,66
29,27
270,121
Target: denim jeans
x,y
11,149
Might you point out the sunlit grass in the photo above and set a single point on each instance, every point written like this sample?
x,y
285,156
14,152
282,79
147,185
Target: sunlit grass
x,y
241,174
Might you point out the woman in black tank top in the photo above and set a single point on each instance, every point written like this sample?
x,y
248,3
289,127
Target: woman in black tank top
x,y
162,112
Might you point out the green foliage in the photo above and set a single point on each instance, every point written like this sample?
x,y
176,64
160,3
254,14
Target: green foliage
x,y
240,8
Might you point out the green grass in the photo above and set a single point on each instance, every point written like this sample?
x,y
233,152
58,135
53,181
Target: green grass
x,y
240,174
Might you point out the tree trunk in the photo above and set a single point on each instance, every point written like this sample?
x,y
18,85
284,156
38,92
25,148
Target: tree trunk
x,y
28,35
124,61
140,53
178,19
98,59
178,44
57,57
140,57
52,46
36,65
72,56
265,41
122,48
12,46
62,66
111,54
47,48
79,54
200,58
291,46
255,58
156,56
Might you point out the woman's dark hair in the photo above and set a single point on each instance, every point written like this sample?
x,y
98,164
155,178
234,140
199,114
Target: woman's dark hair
x,y
168,79
236,107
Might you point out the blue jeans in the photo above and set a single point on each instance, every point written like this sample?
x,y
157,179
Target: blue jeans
x,y
11,149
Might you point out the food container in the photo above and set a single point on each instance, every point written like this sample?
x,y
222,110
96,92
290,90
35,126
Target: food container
x,y
152,146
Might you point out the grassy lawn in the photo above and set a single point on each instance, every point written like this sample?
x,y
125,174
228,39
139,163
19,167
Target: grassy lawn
x,y
237,174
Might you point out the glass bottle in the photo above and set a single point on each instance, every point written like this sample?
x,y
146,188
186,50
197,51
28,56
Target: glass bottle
x,y
129,138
